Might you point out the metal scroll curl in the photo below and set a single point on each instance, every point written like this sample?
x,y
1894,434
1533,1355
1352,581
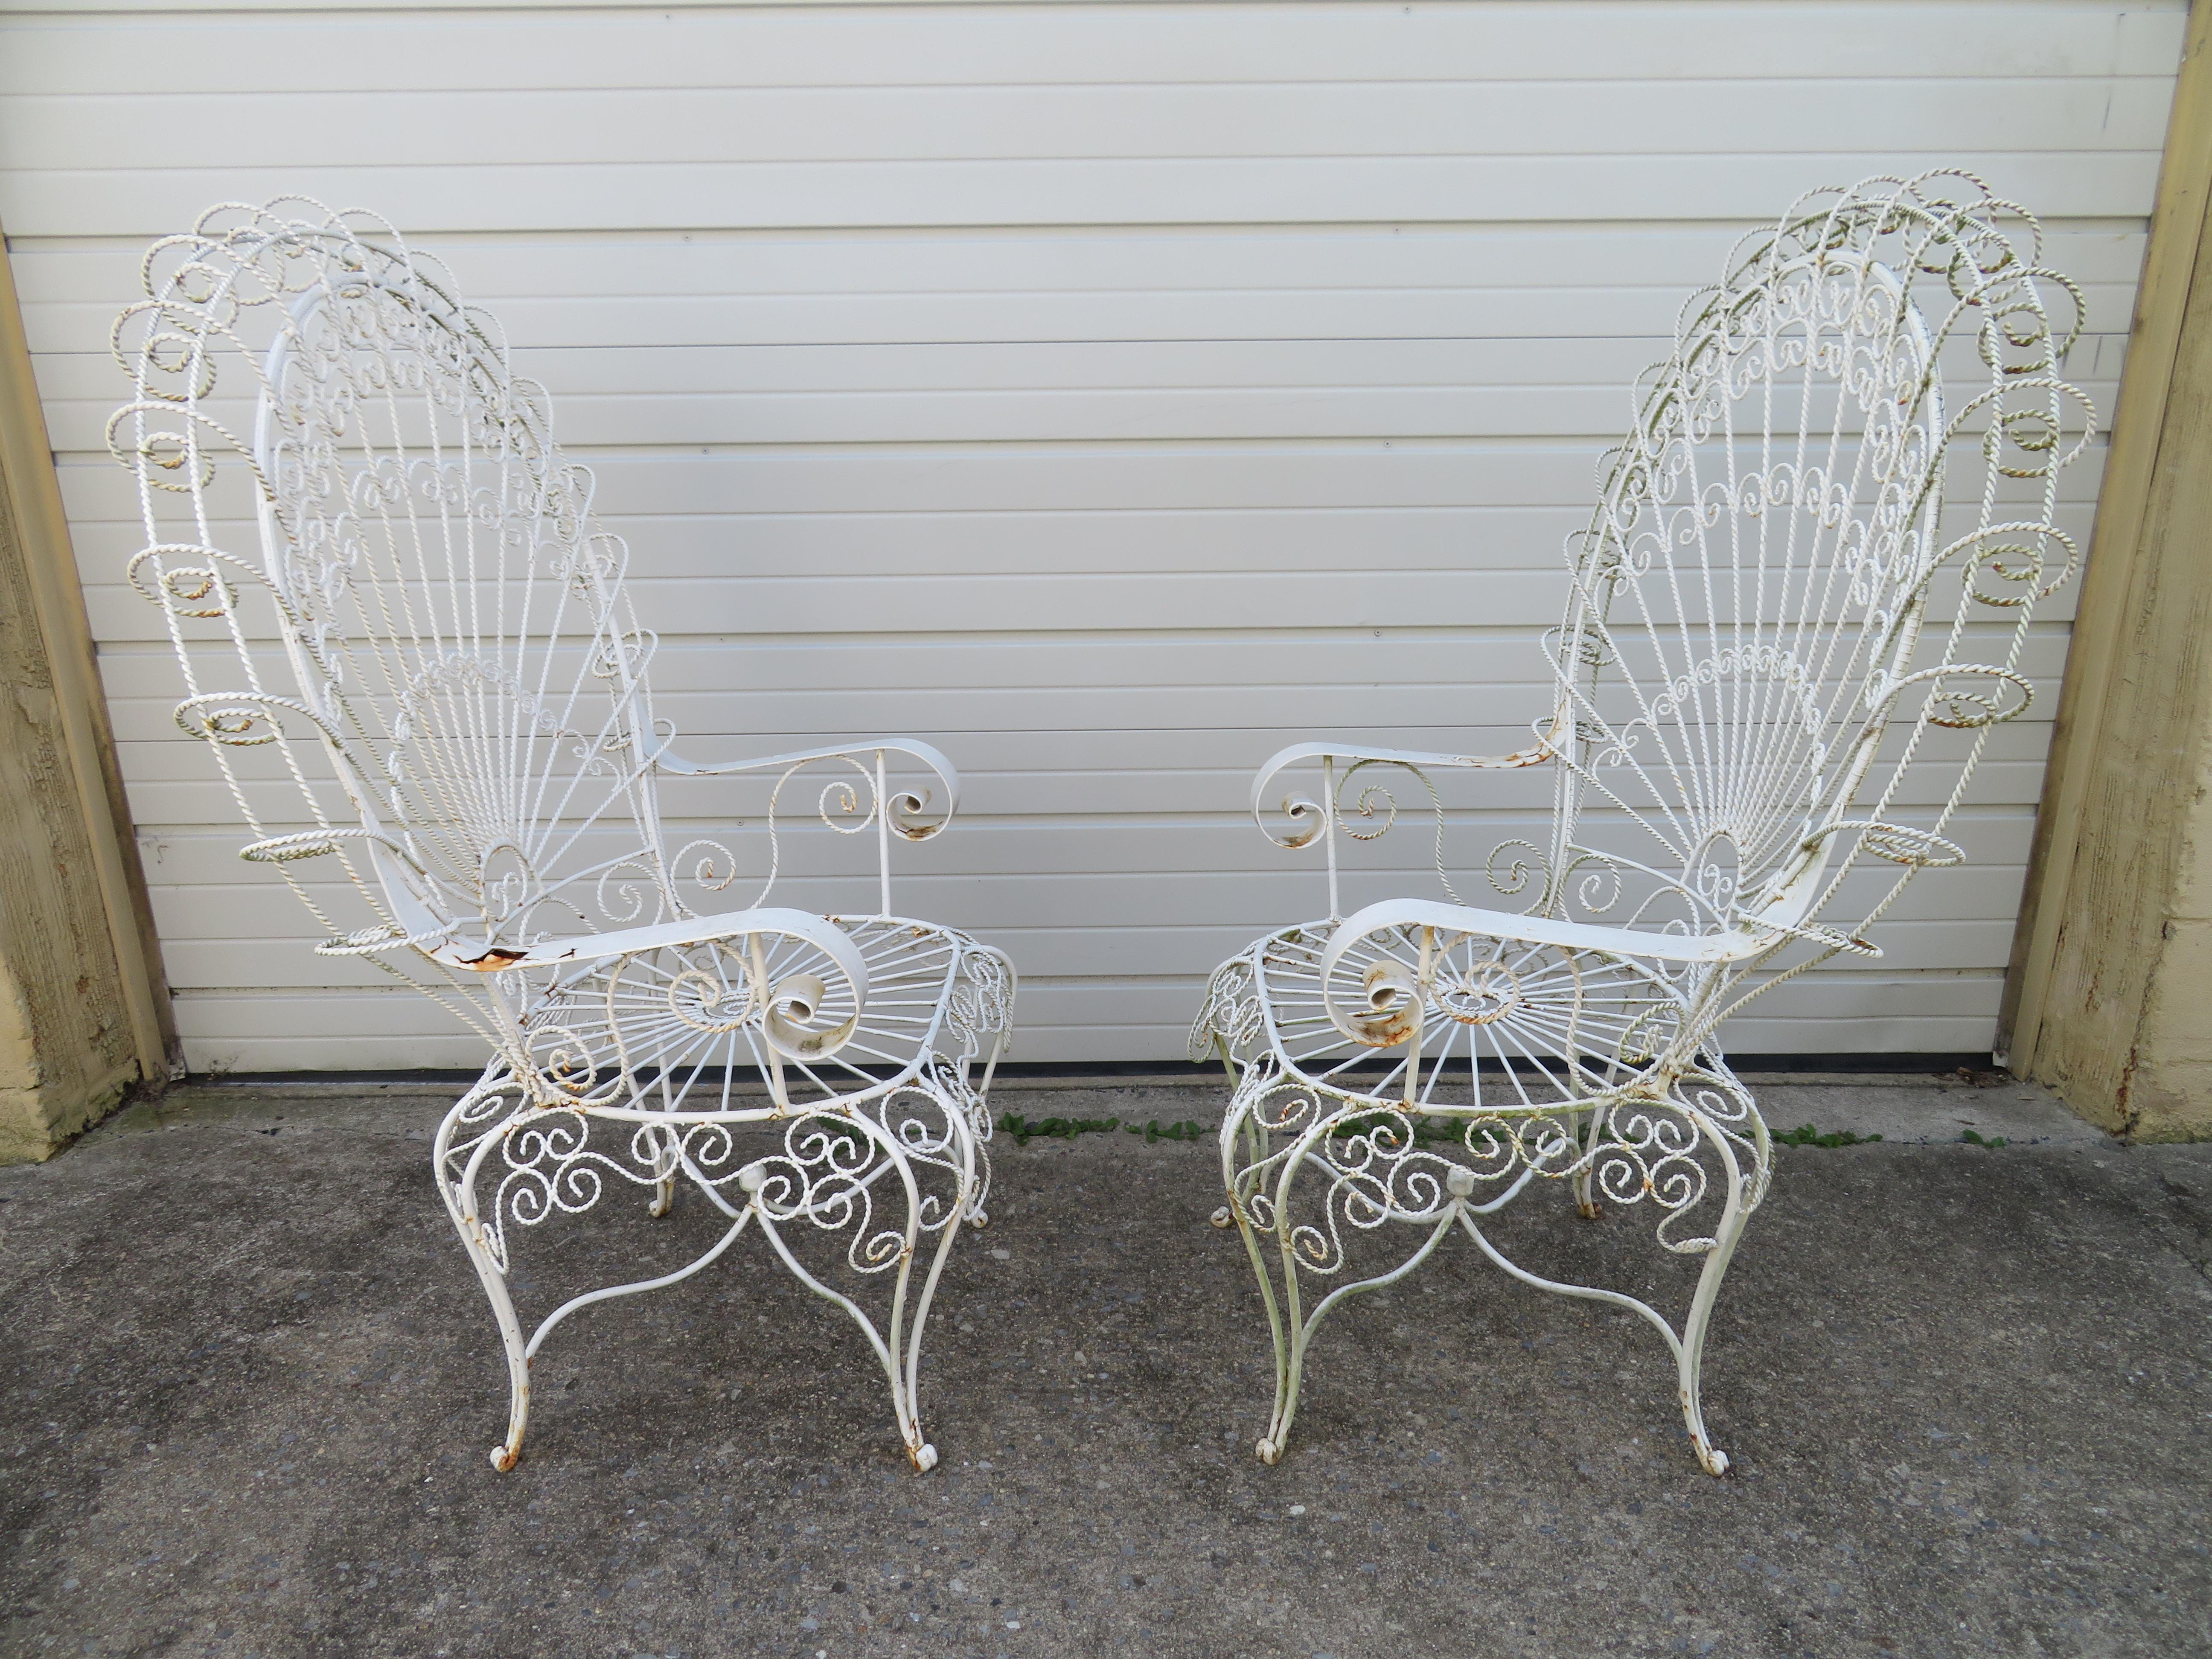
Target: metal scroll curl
x,y
2013,565
1993,694
1333,1170
1897,843
1230,1020
799,988
246,719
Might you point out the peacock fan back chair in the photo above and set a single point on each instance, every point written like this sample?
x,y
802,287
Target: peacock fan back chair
x,y
429,697
1794,620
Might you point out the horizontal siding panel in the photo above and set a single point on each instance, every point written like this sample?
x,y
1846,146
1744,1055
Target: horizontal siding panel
x,y
661,47
603,276
1096,1039
1187,857
1112,478
336,1031
661,419
1942,945
1749,188
1225,540
1146,709
962,603
1462,674
1130,926
693,126
1197,601
1082,791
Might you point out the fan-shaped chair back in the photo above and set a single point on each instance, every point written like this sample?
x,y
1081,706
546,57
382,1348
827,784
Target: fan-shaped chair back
x,y
461,653
1747,668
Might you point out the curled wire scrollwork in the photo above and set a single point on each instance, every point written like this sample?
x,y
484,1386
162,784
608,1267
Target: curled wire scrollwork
x,y
1349,1168
1231,1019
846,806
1308,820
836,1169
1362,804
980,1006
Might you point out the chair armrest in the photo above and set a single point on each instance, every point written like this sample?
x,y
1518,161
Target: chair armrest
x,y
1390,993
1296,808
585,948
903,809
785,1011
1731,946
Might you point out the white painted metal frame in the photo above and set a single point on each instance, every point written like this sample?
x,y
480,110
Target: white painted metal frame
x,y
469,755
1784,645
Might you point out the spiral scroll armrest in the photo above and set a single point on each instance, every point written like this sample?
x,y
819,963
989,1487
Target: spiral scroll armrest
x,y
903,810
1312,817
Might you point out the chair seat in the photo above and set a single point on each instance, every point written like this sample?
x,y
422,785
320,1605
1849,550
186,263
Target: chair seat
x,y
1543,1027
674,1028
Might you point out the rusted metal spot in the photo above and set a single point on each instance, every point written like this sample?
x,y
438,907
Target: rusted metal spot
x,y
1393,1005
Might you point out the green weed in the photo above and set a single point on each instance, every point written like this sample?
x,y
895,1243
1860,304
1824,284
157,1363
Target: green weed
x,y
1807,1135
1025,1130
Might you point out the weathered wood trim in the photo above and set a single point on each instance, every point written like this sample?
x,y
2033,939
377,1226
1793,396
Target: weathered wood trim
x,y
59,689
2124,786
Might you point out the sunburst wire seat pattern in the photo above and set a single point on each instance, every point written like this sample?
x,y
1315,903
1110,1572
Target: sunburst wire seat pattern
x,y
1796,617
434,668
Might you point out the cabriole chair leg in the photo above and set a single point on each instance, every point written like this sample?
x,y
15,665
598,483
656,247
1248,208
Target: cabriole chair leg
x,y
1690,1358
1290,1326
461,1205
897,1346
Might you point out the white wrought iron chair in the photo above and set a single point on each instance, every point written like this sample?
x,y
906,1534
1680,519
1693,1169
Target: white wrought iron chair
x,y
462,783
1783,648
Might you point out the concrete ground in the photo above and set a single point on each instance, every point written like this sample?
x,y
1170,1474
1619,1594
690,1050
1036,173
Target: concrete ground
x,y
247,1383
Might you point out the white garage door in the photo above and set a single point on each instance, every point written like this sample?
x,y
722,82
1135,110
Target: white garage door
x,y
1111,392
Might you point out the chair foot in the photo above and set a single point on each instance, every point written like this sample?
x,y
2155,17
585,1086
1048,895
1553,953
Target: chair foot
x,y
1222,1217
1590,1210
1714,1460
979,1220
1269,1453
504,1458
924,1457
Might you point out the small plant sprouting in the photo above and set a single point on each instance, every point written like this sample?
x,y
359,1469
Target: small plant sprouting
x,y
1024,1130
1973,1139
1807,1135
